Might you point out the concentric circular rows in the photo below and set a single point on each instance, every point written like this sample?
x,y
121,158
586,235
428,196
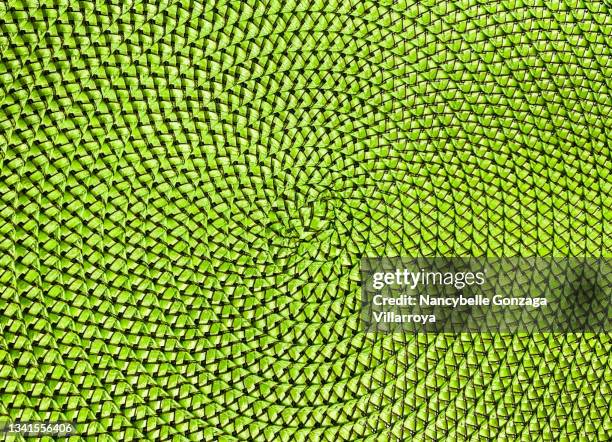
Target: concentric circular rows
x,y
187,190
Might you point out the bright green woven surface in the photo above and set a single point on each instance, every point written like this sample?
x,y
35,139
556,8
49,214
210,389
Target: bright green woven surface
x,y
186,190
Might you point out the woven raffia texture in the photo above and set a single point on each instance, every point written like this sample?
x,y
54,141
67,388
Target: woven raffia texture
x,y
187,189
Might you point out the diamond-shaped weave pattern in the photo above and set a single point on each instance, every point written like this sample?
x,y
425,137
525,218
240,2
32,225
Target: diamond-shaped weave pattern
x,y
187,188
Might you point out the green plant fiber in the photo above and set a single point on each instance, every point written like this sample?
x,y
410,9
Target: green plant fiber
x,y
187,189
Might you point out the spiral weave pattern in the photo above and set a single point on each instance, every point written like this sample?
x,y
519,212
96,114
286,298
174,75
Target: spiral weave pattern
x,y
187,188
